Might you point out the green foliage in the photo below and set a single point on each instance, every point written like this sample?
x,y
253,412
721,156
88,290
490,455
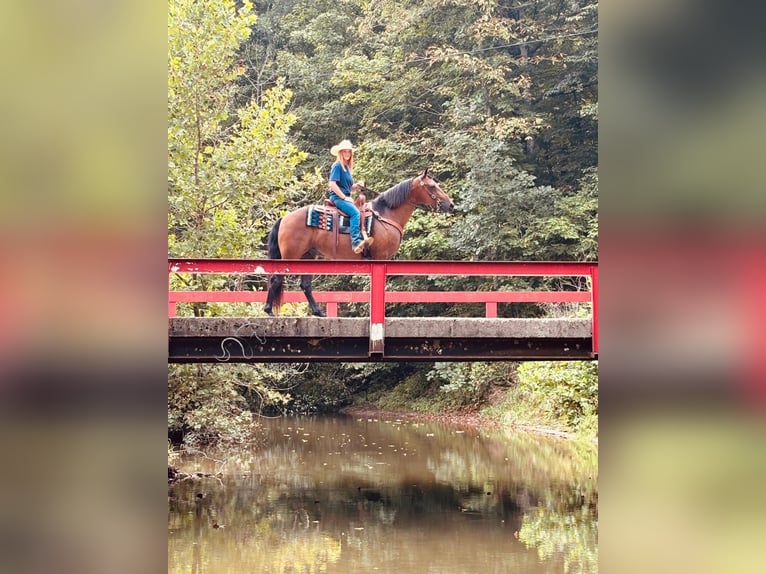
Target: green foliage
x,y
216,403
204,407
229,168
414,394
465,385
587,427
500,204
569,390
518,408
571,232
320,390
327,387
426,234
439,388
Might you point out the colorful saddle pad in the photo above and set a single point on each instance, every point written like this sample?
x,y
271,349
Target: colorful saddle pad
x,y
323,217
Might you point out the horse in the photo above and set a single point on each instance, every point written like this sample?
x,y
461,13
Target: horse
x,y
292,238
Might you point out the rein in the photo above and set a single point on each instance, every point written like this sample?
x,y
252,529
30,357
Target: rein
x,y
383,219
394,224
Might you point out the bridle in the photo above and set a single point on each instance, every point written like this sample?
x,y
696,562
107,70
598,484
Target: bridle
x,y
431,191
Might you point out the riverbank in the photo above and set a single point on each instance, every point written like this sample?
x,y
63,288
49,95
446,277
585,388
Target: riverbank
x,y
464,419
473,420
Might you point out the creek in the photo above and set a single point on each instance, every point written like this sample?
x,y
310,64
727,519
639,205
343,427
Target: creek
x,y
343,494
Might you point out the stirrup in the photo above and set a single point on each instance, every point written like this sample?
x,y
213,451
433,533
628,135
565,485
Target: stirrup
x,y
362,244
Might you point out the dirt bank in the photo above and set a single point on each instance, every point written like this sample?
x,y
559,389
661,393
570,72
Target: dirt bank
x,y
464,420
457,419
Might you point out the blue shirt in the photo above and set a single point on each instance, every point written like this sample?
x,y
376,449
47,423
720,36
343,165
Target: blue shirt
x,y
343,177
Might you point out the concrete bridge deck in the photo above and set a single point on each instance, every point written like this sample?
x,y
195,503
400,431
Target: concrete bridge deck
x,y
331,339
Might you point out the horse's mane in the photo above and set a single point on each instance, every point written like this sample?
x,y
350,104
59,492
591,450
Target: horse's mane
x,y
393,197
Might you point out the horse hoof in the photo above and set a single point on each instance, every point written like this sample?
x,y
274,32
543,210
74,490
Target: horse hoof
x,y
268,312
319,313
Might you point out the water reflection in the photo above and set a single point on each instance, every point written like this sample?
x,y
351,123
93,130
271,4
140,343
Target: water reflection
x,y
339,494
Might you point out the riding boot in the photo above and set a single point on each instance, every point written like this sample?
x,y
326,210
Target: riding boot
x,y
359,247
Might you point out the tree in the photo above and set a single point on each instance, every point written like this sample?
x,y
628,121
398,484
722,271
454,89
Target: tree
x,y
231,167
569,389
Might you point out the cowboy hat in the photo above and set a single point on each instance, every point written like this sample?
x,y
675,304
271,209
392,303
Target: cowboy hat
x,y
345,144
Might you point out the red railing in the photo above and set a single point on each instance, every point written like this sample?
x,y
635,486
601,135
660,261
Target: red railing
x,y
379,271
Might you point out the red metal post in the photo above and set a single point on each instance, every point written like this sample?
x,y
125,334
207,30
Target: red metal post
x,y
491,310
377,307
171,301
594,299
332,309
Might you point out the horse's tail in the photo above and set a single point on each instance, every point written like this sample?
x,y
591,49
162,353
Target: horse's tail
x,y
276,286
272,242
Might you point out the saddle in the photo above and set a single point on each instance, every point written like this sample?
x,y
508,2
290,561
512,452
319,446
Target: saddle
x,y
330,218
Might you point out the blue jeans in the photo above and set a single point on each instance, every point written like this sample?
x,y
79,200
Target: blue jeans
x,y
351,210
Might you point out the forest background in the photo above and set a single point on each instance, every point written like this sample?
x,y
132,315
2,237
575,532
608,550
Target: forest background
x,y
498,97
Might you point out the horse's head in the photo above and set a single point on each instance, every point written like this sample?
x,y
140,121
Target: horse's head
x,y
427,194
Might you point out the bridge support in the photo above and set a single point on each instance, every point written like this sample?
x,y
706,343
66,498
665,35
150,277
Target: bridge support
x,y
302,339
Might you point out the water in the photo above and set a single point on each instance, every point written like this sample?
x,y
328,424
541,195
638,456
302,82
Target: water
x,y
348,495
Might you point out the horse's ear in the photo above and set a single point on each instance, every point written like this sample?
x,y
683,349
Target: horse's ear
x,y
425,172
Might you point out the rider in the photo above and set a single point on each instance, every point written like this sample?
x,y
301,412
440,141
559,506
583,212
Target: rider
x,y
341,184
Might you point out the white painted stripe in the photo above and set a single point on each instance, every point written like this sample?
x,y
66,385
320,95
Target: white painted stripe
x,y
376,331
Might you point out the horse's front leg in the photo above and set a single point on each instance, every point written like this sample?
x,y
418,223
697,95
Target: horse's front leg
x,y
306,286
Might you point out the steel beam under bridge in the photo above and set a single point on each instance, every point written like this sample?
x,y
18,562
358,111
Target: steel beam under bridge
x,y
331,339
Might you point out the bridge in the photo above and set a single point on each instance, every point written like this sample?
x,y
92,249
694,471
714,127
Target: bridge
x,y
377,337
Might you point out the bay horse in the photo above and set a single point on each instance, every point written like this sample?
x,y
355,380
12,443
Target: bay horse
x,y
292,238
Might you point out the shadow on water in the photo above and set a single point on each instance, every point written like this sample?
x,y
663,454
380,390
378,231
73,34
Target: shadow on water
x,y
339,494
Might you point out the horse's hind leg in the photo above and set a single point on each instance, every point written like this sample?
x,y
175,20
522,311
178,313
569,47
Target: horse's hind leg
x,y
274,294
306,287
